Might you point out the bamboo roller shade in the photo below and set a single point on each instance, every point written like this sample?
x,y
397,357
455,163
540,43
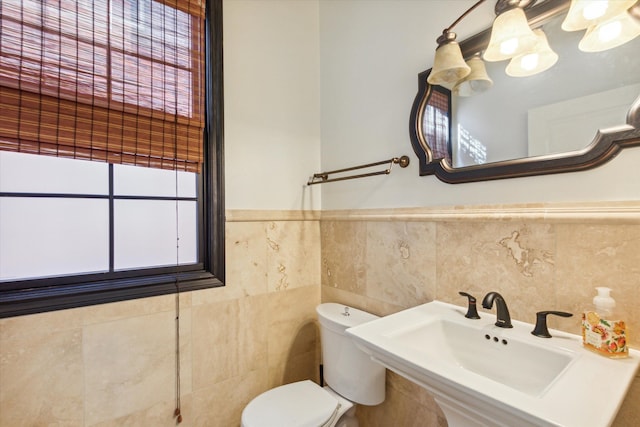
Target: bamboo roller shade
x,y
119,81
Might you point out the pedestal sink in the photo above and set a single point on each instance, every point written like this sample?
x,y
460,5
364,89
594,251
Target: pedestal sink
x,y
482,375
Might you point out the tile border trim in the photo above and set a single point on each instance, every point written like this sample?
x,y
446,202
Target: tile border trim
x,y
246,215
605,212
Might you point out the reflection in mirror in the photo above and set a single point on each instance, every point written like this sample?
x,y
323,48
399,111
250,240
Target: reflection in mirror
x,y
556,111
576,115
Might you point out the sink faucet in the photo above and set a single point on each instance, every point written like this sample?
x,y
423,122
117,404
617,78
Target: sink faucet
x,y
503,319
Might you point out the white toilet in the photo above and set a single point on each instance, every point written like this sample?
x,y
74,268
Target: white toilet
x,y
350,375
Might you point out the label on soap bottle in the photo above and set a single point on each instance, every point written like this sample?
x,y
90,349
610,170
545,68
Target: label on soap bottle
x,y
607,337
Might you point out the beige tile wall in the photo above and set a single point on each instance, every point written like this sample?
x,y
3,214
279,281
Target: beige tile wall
x,y
537,257
114,364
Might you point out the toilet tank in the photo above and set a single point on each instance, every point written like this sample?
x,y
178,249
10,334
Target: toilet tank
x,y
347,370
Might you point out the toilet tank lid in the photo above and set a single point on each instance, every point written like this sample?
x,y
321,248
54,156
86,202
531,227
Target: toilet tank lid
x,y
342,316
301,404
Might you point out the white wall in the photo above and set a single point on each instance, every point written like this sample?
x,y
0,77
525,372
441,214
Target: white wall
x,y
371,54
272,103
316,85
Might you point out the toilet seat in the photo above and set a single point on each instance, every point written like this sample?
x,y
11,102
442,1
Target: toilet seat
x,y
301,404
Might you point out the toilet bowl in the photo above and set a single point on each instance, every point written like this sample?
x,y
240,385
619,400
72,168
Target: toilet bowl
x,y
300,404
350,375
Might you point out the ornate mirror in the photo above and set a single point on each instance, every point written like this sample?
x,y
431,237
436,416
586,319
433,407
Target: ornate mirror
x,y
576,115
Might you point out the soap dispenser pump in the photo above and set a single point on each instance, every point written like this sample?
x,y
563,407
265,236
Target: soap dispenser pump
x,y
603,302
602,329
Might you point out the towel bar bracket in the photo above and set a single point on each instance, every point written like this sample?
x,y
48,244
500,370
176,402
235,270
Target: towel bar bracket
x,y
323,177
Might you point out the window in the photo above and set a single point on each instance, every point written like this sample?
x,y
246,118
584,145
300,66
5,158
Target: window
x,y
436,122
110,165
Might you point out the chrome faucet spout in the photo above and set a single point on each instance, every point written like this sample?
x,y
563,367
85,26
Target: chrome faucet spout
x,y
503,319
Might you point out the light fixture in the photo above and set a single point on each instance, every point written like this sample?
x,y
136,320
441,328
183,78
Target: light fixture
x,y
510,35
477,81
448,65
609,34
635,11
539,59
586,13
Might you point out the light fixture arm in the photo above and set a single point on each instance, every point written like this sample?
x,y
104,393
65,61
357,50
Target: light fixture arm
x,y
468,11
448,35
504,5
501,6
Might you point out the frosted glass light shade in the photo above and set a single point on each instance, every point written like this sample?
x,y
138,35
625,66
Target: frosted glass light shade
x,y
477,81
586,13
541,58
448,65
510,36
609,34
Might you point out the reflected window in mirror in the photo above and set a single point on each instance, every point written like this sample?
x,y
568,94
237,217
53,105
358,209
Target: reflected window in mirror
x,y
436,123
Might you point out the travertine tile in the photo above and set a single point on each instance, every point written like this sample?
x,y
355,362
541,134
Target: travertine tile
x,y
102,313
599,255
130,364
331,294
517,260
400,262
41,377
246,263
221,404
298,368
303,359
370,305
420,395
293,254
158,415
400,409
40,324
344,255
229,337
290,315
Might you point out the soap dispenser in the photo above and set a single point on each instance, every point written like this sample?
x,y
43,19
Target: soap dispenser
x,y
603,331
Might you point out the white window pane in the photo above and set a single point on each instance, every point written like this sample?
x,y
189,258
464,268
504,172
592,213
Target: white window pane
x,y
50,237
145,233
188,229
31,173
141,181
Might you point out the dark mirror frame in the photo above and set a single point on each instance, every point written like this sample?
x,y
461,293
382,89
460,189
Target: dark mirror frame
x,y
605,145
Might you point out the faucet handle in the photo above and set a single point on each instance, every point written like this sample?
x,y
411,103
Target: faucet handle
x,y
541,329
472,311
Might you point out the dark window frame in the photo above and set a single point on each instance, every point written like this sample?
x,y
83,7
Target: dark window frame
x,y
49,294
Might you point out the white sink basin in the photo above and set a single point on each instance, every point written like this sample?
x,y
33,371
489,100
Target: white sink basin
x,y
524,367
482,375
